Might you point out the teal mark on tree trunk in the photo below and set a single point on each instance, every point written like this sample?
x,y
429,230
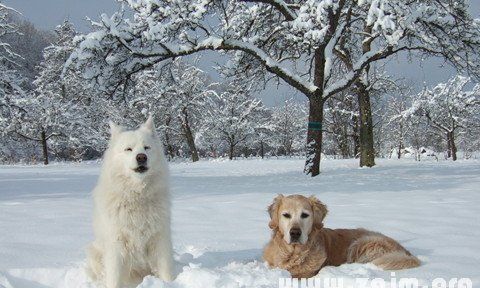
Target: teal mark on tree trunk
x,y
315,126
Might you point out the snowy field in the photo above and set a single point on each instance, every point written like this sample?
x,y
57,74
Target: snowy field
x,y
220,219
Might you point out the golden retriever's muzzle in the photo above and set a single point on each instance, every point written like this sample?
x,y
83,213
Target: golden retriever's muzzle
x,y
295,234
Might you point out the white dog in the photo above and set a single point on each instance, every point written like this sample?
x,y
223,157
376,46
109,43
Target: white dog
x,y
131,211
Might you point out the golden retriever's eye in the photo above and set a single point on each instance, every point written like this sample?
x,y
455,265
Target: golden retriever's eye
x,y
128,149
304,215
287,215
146,147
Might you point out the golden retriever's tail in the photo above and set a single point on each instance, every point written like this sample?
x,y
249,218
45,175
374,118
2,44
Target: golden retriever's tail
x,y
382,251
396,260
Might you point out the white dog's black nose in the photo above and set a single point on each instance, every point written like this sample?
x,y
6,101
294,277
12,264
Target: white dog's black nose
x,y
141,158
295,234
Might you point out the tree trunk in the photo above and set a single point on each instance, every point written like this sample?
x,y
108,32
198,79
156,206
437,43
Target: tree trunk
x,y
262,151
367,151
400,142
213,151
356,140
191,143
343,144
44,147
231,151
315,116
314,136
187,131
452,148
449,146
288,149
169,147
399,152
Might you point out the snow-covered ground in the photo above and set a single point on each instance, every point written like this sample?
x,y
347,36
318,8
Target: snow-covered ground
x,y
220,219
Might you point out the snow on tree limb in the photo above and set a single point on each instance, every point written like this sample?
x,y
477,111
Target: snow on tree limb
x,y
161,30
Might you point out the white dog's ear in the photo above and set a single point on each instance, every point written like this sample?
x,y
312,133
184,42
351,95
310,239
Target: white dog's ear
x,y
114,129
148,125
273,211
319,211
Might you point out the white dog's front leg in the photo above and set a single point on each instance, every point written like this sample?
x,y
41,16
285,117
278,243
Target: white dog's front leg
x,y
163,265
113,265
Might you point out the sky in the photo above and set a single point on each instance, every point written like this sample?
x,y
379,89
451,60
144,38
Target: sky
x,y
46,14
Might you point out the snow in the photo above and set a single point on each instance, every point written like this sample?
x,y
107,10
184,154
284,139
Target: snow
x,y
264,57
220,220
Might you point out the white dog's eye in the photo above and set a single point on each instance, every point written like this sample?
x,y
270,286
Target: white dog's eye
x,y
128,149
287,215
304,215
146,147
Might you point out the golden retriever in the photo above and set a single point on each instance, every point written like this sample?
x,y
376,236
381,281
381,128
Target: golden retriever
x,y
301,245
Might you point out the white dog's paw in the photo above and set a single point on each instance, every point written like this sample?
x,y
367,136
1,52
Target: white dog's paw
x,y
168,277
165,274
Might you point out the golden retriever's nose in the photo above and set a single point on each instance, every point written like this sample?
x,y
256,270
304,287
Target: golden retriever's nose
x,y
295,234
141,158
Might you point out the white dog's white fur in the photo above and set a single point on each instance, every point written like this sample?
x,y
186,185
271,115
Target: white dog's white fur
x,y
131,212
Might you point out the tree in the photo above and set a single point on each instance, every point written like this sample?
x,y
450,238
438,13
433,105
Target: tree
x,y
234,119
193,97
28,42
341,125
181,93
447,108
55,111
263,133
397,127
11,81
439,29
288,125
275,36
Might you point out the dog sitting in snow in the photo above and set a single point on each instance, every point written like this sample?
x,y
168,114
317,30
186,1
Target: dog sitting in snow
x,y
131,211
301,245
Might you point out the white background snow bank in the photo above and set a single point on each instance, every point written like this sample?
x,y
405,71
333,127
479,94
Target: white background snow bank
x,y
220,219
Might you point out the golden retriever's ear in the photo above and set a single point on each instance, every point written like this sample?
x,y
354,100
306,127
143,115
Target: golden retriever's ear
x,y
273,211
319,211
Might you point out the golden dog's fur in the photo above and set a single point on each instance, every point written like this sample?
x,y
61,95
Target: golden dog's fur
x,y
319,246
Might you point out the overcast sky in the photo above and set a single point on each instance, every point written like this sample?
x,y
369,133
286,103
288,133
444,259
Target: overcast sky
x,y
46,14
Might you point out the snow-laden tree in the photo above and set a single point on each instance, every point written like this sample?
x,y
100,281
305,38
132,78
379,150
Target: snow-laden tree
x,y
29,42
11,81
295,41
341,125
264,133
448,108
55,112
8,57
430,28
233,120
153,96
397,129
181,94
288,127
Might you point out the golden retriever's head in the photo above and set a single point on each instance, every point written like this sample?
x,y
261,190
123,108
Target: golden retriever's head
x,y
295,216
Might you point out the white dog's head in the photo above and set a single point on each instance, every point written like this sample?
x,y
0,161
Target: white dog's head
x,y
133,153
295,216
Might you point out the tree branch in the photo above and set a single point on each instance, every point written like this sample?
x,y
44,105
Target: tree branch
x,y
280,5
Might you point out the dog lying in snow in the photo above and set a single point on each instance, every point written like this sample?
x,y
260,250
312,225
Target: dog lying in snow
x,y
131,211
301,245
